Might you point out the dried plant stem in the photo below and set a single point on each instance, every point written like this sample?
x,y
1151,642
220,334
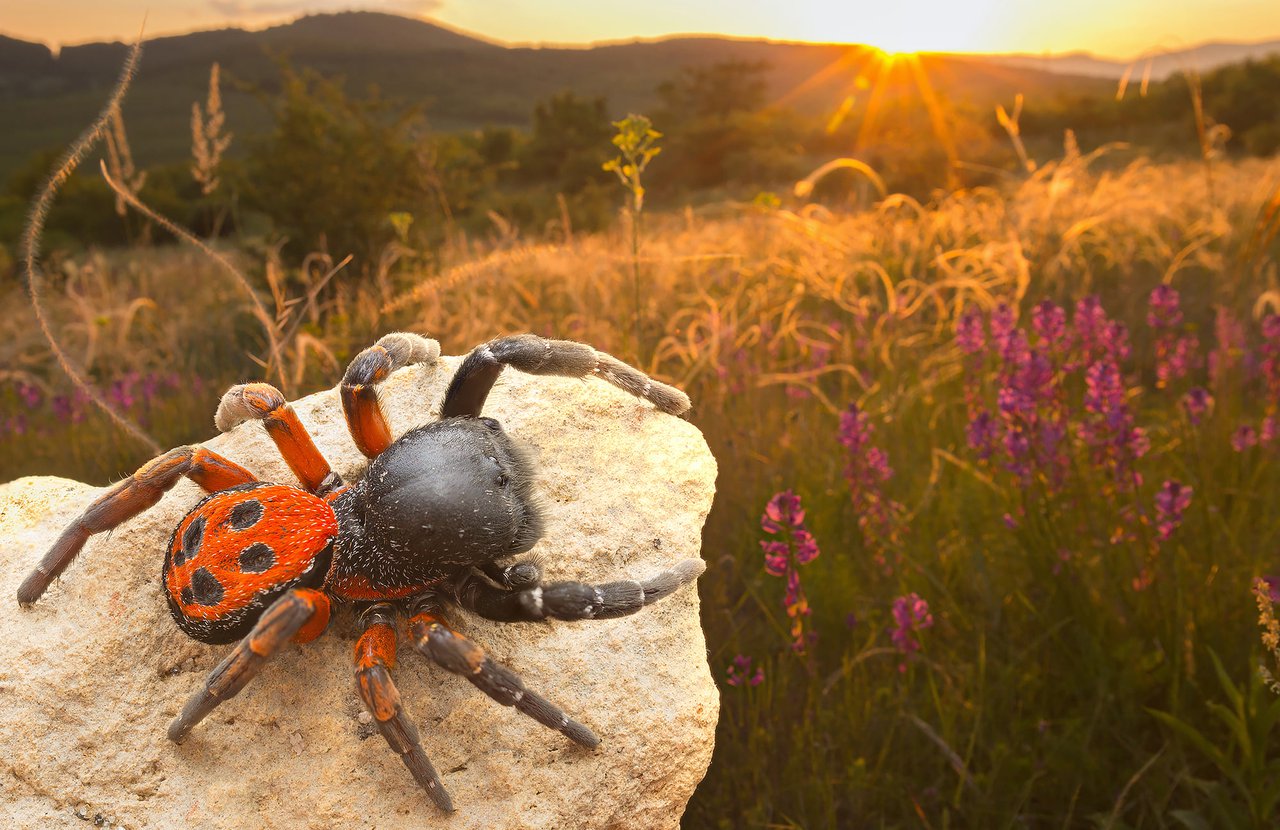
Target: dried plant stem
x,y
31,234
259,311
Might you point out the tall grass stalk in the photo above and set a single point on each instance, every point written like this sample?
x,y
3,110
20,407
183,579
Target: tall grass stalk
x,y
638,142
30,243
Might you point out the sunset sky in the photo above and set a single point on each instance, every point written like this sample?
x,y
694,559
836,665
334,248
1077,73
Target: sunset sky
x,y
1114,28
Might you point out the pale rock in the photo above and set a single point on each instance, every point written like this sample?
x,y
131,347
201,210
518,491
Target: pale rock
x,y
91,676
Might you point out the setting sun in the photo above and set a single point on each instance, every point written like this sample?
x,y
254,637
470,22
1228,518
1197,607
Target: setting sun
x,y
923,26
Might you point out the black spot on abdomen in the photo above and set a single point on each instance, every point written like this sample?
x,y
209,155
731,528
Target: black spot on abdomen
x,y
257,558
245,514
205,588
191,539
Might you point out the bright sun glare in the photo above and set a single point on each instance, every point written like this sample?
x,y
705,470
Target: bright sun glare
x,y
907,25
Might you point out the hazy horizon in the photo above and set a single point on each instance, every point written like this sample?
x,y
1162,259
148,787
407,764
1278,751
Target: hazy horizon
x,y
987,26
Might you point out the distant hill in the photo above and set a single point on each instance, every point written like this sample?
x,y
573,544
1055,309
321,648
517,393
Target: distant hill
x,y
1160,65
463,82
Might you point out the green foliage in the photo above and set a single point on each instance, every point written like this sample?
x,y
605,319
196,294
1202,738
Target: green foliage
x,y
334,168
638,142
567,146
1245,789
1241,96
720,131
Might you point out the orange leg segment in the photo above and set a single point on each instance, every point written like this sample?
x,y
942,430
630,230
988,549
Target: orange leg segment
x,y
263,402
126,500
281,624
368,425
375,654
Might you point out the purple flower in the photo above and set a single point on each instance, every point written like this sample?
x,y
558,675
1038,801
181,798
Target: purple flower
x,y
971,335
1050,324
62,408
1090,322
1164,308
910,615
983,432
1175,356
1002,326
1230,350
1197,402
1271,327
784,517
739,672
1268,432
1172,500
784,514
16,425
1243,438
1108,428
866,470
31,395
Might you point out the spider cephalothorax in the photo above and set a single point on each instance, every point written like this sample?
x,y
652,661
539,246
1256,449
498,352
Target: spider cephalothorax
x,y
434,520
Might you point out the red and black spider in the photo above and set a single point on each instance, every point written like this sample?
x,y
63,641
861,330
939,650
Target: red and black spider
x,y
436,518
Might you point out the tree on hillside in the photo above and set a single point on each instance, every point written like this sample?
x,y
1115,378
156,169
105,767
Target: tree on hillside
x,y
719,129
716,91
570,142
335,168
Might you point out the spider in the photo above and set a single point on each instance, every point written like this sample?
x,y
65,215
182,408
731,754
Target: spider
x,y
437,519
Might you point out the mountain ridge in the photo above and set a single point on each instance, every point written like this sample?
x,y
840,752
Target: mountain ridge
x,y
463,82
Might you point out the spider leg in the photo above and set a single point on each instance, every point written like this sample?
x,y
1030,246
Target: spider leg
x,y
574,600
375,657
263,402
527,573
432,636
360,386
126,500
298,616
537,356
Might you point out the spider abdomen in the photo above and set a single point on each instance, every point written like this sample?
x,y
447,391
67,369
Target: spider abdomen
x,y
240,549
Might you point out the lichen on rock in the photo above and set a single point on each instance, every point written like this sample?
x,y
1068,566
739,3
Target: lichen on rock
x,y
92,674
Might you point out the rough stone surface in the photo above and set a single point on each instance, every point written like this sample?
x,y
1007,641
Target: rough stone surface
x,y
91,676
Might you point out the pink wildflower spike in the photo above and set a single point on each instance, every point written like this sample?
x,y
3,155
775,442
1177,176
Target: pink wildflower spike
x,y
1197,403
1243,438
1050,324
910,615
739,673
784,517
971,334
1172,500
1164,309
866,470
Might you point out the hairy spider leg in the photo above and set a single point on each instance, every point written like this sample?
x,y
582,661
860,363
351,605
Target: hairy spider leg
x,y
298,616
433,637
538,356
375,657
126,500
263,402
574,600
526,573
368,425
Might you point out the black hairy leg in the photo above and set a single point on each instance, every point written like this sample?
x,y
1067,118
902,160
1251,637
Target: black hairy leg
x,y
573,600
526,573
375,657
368,425
433,637
538,356
298,616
